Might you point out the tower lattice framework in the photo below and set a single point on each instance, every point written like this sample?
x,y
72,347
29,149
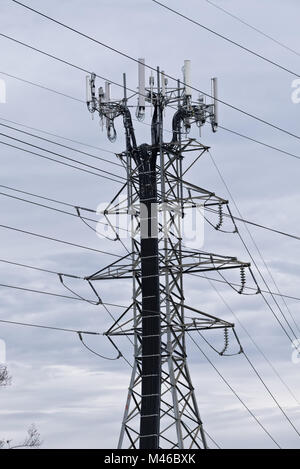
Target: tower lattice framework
x,y
161,408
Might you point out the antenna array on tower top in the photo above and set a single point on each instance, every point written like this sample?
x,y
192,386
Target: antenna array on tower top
x,y
161,408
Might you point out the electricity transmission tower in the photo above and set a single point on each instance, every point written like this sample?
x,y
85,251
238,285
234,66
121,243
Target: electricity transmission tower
x,y
161,408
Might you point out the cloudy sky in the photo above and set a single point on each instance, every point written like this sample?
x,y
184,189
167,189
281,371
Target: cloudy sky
x,y
75,398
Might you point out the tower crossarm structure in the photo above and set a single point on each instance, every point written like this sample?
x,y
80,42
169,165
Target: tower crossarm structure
x,y
161,408
190,262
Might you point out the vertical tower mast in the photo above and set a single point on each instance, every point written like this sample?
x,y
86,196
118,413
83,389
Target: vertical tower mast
x,y
161,408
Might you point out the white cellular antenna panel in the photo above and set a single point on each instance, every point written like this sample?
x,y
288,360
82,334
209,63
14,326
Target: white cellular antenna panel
x,y
141,78
107,91
101,94
163,83
187,77
215,99
88,89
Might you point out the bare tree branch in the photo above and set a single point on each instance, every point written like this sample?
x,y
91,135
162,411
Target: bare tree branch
x,y
33,440
5,378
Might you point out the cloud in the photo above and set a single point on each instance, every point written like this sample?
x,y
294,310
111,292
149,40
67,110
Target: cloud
x,y
75,398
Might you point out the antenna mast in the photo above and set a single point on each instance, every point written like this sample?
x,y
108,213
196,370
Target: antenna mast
x,y
161,408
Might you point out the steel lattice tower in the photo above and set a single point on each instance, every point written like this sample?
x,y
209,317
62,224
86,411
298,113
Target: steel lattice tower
x,y
161,408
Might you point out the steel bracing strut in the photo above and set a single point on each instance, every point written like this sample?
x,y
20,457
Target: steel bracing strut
x,y
161,408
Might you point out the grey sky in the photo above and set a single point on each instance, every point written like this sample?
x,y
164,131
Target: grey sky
x,y
74,398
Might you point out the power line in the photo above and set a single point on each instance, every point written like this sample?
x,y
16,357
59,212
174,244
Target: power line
x,y
261,257
98,354
108,151
190,273
45,53
200,428
96,221
258,225
151,292
106,224
224,128
123,54
66,96
234,392
58,295
245,287
61,145
45,198
50,327
66,212
46,88
270,393
66,62
60,162
254,262
94,211
263,260
57,240
101,303
5,261
61,274
58,136
272,277
212,439
42,292
256,54
76,207
104,304
256,266
276,286
77,215
61,156
272,147
79,333
253,28
32,290
145,123
48,207
57,210
253,341
265,386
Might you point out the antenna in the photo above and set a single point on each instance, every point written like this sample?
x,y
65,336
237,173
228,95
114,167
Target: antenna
x,y
161,407
101,94
164,83
88,90
187,78
215,118
140,114
107,91
91,92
